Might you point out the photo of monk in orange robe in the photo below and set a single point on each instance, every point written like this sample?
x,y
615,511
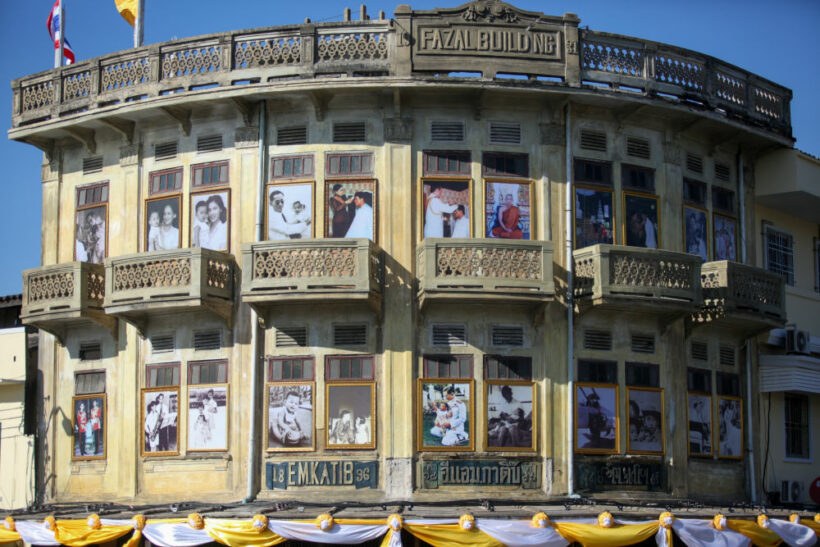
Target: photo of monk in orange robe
x,y
507,223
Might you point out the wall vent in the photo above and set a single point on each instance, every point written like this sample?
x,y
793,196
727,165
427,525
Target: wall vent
x,y
727,355
723,172
291,337
593,140
699,351
637,147
448,334
598,339
209,143
507,335
292,135
165,150
207,340
163,343
694,163
349,335
92,165
505,133
90,351
349,132
446,131
86,383
643,343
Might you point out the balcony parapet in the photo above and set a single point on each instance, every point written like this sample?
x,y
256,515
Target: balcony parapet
x,y
637,280
739,297
62,296
312,270
484,270
140,285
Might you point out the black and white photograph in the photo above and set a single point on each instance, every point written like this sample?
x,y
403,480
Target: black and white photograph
x,y
646,421
594,217
596,418
89,427
641,220
290,417
510,417
290,211
351,209
696,232
210,220
350,415
446,208
162,223
208,418
725,237
730,427
90,240
160,411
507,210
446,420
700,425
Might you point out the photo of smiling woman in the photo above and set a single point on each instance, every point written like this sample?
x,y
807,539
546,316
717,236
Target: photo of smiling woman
x,y
162,224
209,220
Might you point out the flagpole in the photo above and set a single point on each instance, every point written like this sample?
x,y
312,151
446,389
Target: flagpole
x,y
58,51
139,26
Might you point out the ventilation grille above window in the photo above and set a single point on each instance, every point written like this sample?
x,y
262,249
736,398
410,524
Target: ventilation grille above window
x,y
90,351
727,355
448,334
349,132
593,140
505,133
162,343
210,143
694,163
447,131
637,147
723,172
598,340
290,337
207,340
699,351
92,165
643,343
165,150
504,335
349,335
291,135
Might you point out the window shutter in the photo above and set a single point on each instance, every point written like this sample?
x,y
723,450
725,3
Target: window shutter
x,y
349,132
637,147
593,140
694,163
643,343
349,335
447,131
505,335
505,133
291,135
210,143
291,337
598,340
163,343
92,165
90,351
448,334
699,351
207,340
165,150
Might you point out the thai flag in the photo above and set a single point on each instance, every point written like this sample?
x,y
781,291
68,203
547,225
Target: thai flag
x,y
54,28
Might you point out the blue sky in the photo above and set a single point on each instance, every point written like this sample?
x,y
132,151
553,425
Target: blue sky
x,y
776,40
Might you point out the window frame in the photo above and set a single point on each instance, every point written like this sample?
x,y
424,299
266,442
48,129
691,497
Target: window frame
x,y
463,159
370,356
808,440
105,188
292,380
788,276
154,174
202,362
361,174
91,371
167,365
627,168
494,173
210,165
426,358
499,358
607,178
293,176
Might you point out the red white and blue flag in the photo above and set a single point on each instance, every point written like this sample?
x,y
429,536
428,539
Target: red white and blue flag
x,y
55,28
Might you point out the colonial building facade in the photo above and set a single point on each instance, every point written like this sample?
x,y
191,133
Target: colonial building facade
x,y
463,253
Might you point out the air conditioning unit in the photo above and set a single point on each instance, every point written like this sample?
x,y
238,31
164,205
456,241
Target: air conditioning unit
x,y
790,491
797,341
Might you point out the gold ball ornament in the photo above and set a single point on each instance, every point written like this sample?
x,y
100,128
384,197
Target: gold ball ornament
x,y
666,519
196,521
540,520
138,522
395,522
260,523
466,522
93,521
720,522
50,523
817,517
324,522
794,518
9,524
763,521
605,520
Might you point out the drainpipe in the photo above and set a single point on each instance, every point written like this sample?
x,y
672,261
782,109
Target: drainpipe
x,y
255,339
749,423
570,331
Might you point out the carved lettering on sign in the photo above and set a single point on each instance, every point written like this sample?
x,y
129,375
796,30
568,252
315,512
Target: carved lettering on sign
x,y
322,473
487,41
520,473
596,476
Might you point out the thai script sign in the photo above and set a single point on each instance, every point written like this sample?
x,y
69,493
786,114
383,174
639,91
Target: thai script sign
x,y
510,472
619,475
322,473
488,42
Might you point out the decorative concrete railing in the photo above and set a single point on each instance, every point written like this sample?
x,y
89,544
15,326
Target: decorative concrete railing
x,y
313,268
730,288
605,272
484,268
67,287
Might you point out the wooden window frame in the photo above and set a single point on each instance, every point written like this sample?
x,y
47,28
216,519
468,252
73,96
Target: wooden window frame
x,y
306,361
457,356
579,177
202,362
371,378
519,359
103,185
493,172
201,167
157,366
462,158
309,175
361,174
157,174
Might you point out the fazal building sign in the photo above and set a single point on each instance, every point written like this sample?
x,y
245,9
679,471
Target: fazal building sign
x,y
490,42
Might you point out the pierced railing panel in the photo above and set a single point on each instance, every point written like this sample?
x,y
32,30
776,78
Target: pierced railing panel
x,y
196,59
71,286
730,88
680,71
345,46
37,96
77,85
267,51
124,73
613,58
730,287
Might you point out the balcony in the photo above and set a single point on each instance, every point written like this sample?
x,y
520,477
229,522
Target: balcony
x,y
741,298
160,282
311,271
62,296
485,270
636,280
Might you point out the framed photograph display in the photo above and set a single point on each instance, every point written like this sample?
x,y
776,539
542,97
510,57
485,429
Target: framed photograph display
x,y
290,417
596,418
507,210
699,416
88,414
730,427
162,223
725,237
350,420
510,416
646,421
445,207
91,235
290,211
594,217
211,219
160,419
445,419
351,209
641,220
207,418
696,231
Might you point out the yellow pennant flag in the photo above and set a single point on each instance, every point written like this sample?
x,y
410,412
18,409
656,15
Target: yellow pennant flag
x,y
128,9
